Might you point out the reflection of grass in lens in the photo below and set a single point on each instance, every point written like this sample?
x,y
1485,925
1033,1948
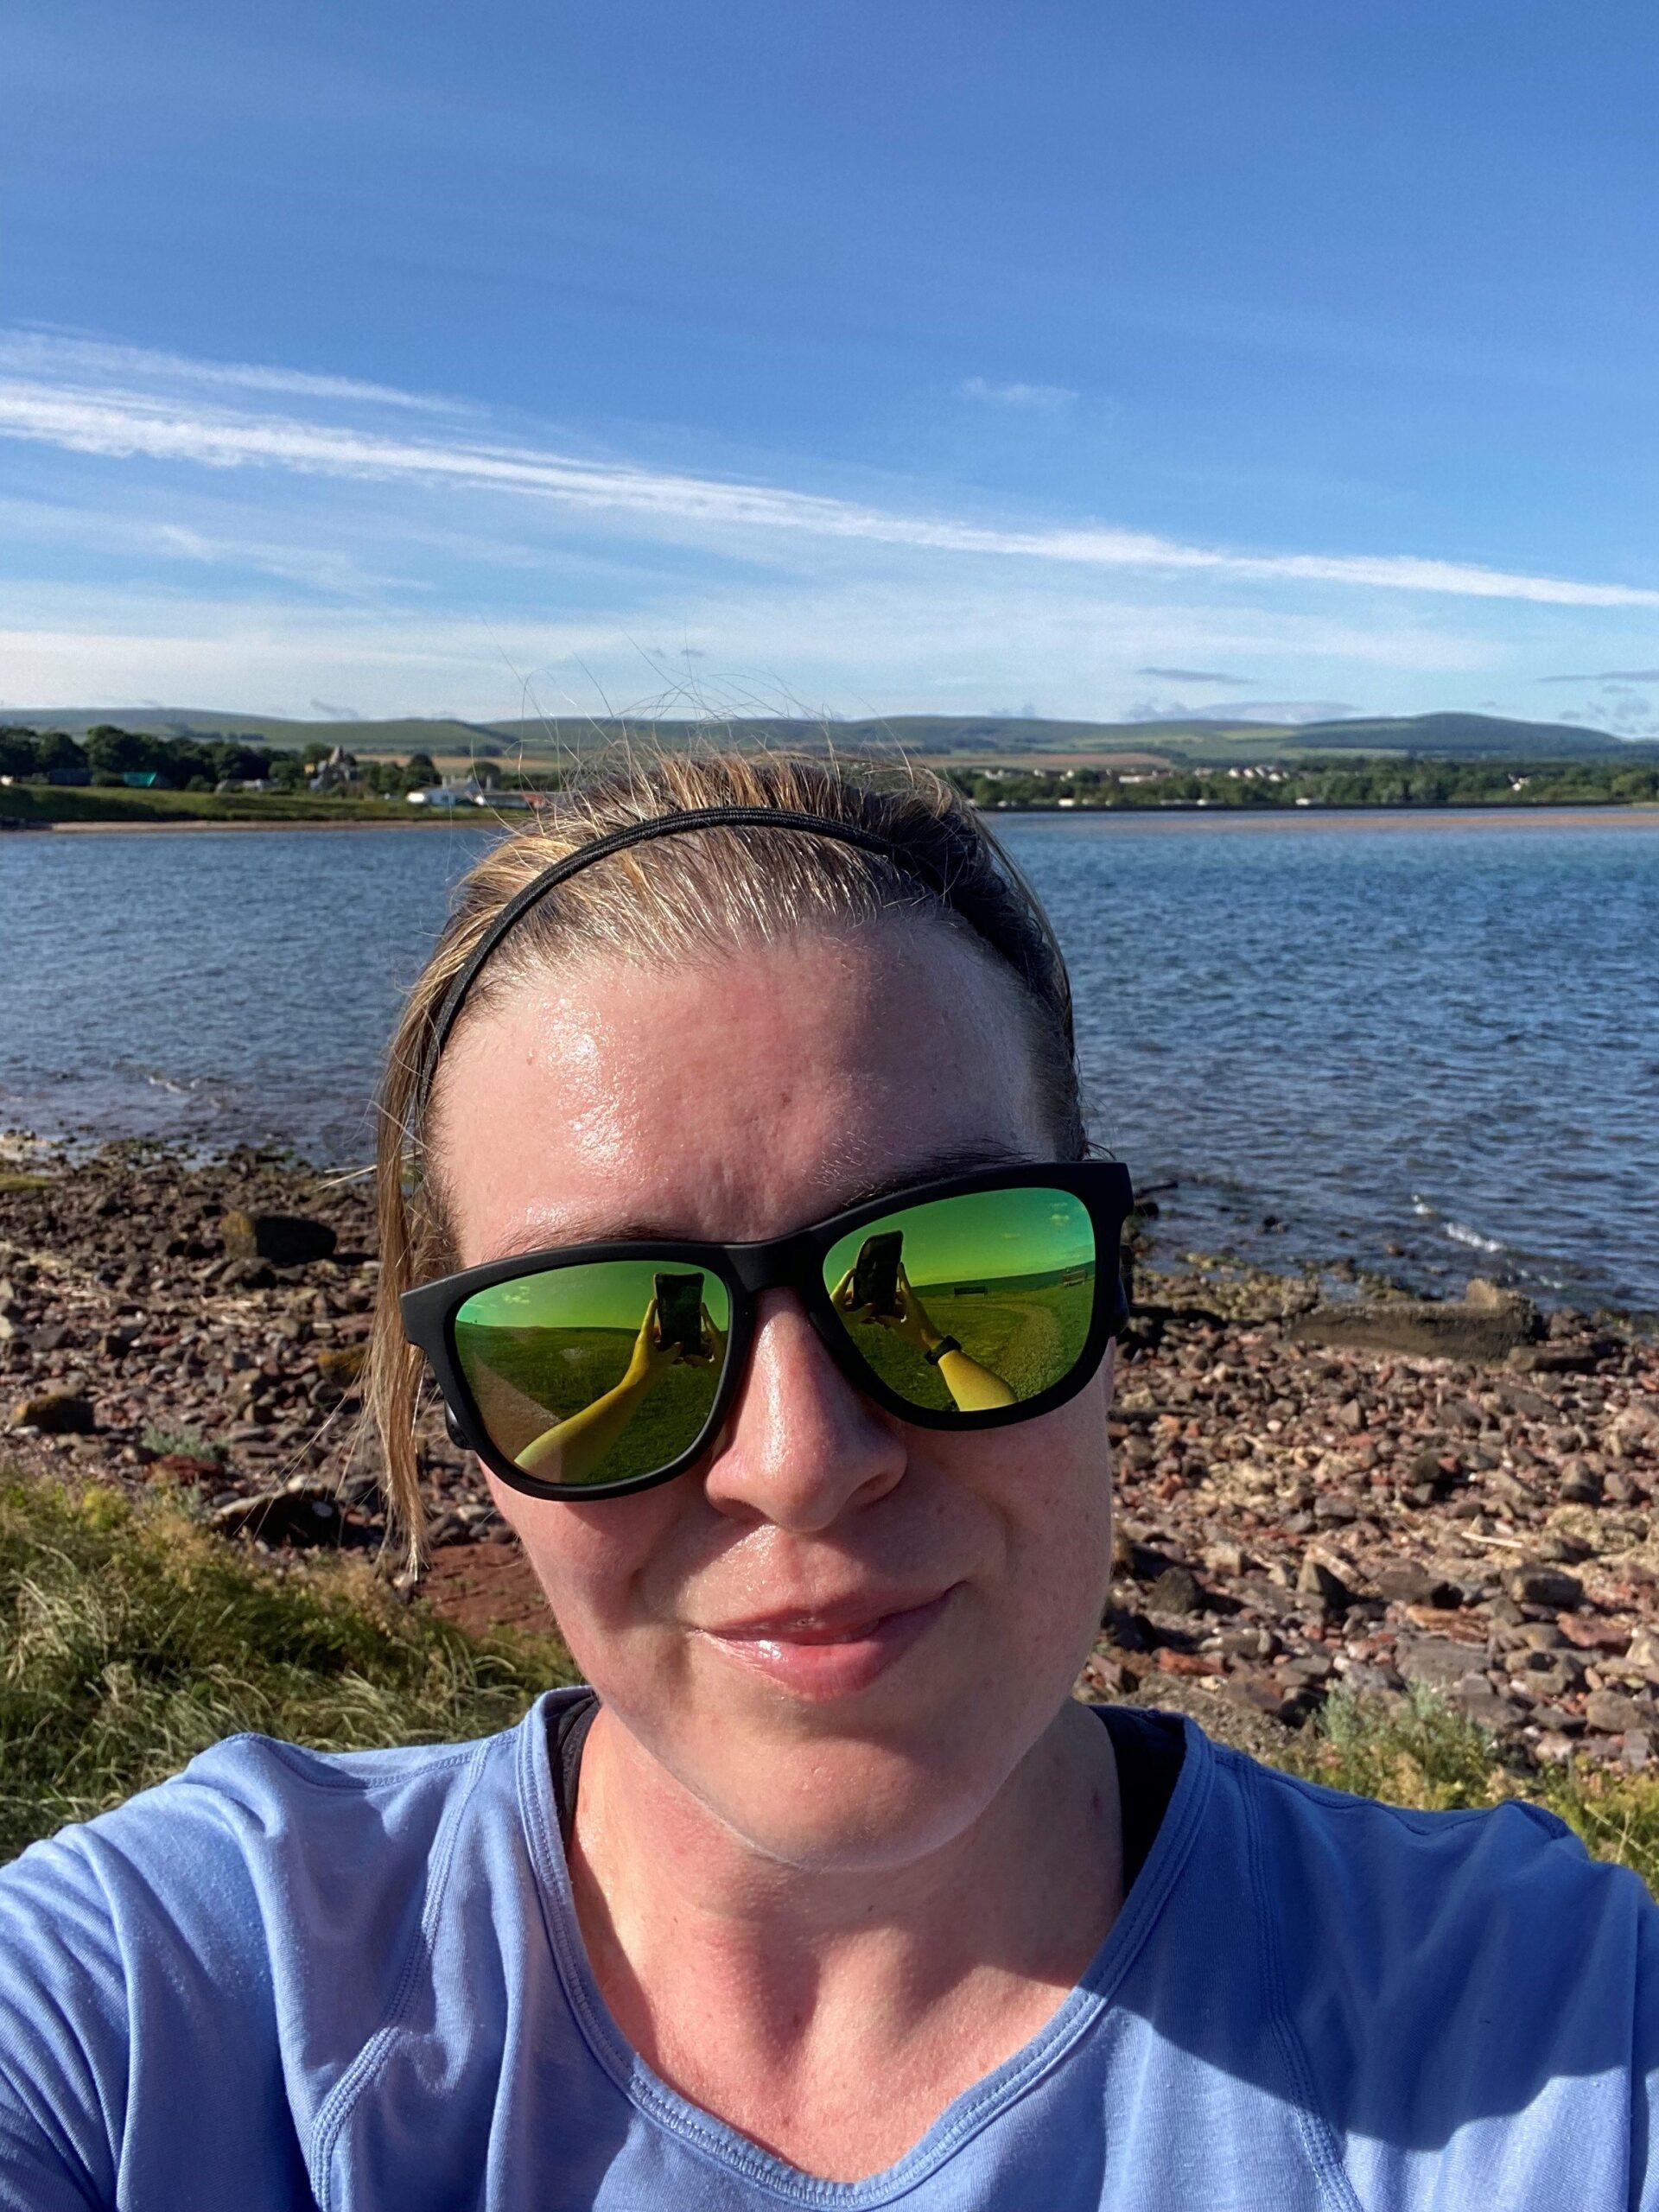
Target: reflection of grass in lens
x,y
902,1367
526,1381
669,1415
1027,1333
1009,1273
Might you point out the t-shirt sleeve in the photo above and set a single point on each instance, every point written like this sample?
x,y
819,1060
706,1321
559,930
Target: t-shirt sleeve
x,y
64,2034
1644,2069
185,1980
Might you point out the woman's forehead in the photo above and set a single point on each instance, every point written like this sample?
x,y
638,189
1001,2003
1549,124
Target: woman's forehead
x,y
733,1098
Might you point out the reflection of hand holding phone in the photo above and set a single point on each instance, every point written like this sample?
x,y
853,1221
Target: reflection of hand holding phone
x,y
875,1273
679,1315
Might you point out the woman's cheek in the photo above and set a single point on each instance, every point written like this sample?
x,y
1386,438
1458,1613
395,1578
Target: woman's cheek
x,y
590,1559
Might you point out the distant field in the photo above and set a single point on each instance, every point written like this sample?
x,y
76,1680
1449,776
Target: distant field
x,y
47,803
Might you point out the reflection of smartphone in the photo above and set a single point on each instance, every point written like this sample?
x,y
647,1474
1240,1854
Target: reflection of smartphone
x,y
679,1314
875,1273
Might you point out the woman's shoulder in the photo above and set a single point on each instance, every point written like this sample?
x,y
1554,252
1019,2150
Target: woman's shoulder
x,y
1393,1895
256,1825
254,1802
265,1893
235,1861
1369,1860
1460,2006
1434,1970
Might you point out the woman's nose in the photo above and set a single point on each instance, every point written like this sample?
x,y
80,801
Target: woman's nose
x,y
802,1446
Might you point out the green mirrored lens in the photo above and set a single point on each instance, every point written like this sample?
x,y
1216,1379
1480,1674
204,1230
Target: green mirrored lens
x,y
602,1372
1009,1274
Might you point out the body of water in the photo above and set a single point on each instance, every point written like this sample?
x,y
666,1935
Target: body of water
x,y
1439,1034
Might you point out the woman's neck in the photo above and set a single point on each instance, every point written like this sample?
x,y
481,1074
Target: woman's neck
x,y
775,1996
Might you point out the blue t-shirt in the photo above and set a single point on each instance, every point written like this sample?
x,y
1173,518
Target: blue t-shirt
x,y
282,1980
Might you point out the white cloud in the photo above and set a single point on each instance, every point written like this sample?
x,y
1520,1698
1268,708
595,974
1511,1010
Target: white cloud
x,y
1241,710
1047,399
1608,676
891,638
62,353
88,418
1193,676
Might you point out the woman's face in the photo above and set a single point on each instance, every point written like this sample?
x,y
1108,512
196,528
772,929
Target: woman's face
x,y
839,1633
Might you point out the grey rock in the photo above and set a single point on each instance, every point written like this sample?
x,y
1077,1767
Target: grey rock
x,y
1407,1582
1318,1580
1421,1326
1610,1713
1540,1636
56,1413
1176,1591
1536,1584
1479,1701
286,1240
1553,1359
1436,1662
295,1514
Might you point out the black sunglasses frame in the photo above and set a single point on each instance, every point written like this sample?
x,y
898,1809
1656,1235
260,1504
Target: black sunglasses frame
x,y
793,1263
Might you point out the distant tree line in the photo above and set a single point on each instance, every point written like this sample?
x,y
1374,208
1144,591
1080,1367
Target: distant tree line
x,y
1339,782
109,755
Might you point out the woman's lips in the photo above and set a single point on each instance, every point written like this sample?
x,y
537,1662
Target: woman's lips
x,y
816,1655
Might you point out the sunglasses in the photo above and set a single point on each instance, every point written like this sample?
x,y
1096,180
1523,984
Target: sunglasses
x,y
593,1369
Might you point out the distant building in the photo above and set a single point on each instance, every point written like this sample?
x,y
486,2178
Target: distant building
x,y
337,773
145,779
466,794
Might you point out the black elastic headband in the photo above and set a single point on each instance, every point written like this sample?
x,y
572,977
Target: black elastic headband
x,y
636,833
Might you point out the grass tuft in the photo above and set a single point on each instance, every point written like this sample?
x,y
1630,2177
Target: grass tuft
x,y
131,1639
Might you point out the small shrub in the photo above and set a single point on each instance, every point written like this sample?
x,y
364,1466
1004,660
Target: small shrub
x,y
187,1443
1426,1753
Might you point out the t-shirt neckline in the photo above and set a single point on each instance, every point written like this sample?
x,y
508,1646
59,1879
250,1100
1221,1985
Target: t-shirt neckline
x,y
966,2115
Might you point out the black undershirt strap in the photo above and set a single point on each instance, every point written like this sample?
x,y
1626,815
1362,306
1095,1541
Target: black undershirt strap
x,y
569,1734
1148,1747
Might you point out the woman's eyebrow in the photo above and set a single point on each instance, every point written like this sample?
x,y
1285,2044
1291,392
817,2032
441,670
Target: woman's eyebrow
x,y
931,1167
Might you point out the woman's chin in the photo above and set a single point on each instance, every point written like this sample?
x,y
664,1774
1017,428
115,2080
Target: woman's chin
x,y
835,1785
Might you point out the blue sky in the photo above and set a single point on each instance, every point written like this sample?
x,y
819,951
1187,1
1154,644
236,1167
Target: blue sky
x,y
1098,357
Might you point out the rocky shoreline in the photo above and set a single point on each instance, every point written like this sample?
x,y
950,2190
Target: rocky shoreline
x,y
1310,1498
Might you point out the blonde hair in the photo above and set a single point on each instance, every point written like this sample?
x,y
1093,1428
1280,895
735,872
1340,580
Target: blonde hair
x,y
672,899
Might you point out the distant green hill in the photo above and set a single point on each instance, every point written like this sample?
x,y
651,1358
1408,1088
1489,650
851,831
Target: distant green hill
x,y
1449,736
1197,741
412,734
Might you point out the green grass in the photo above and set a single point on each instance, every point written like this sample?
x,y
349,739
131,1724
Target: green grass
x,y
131,1639
46,802
1427,1755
